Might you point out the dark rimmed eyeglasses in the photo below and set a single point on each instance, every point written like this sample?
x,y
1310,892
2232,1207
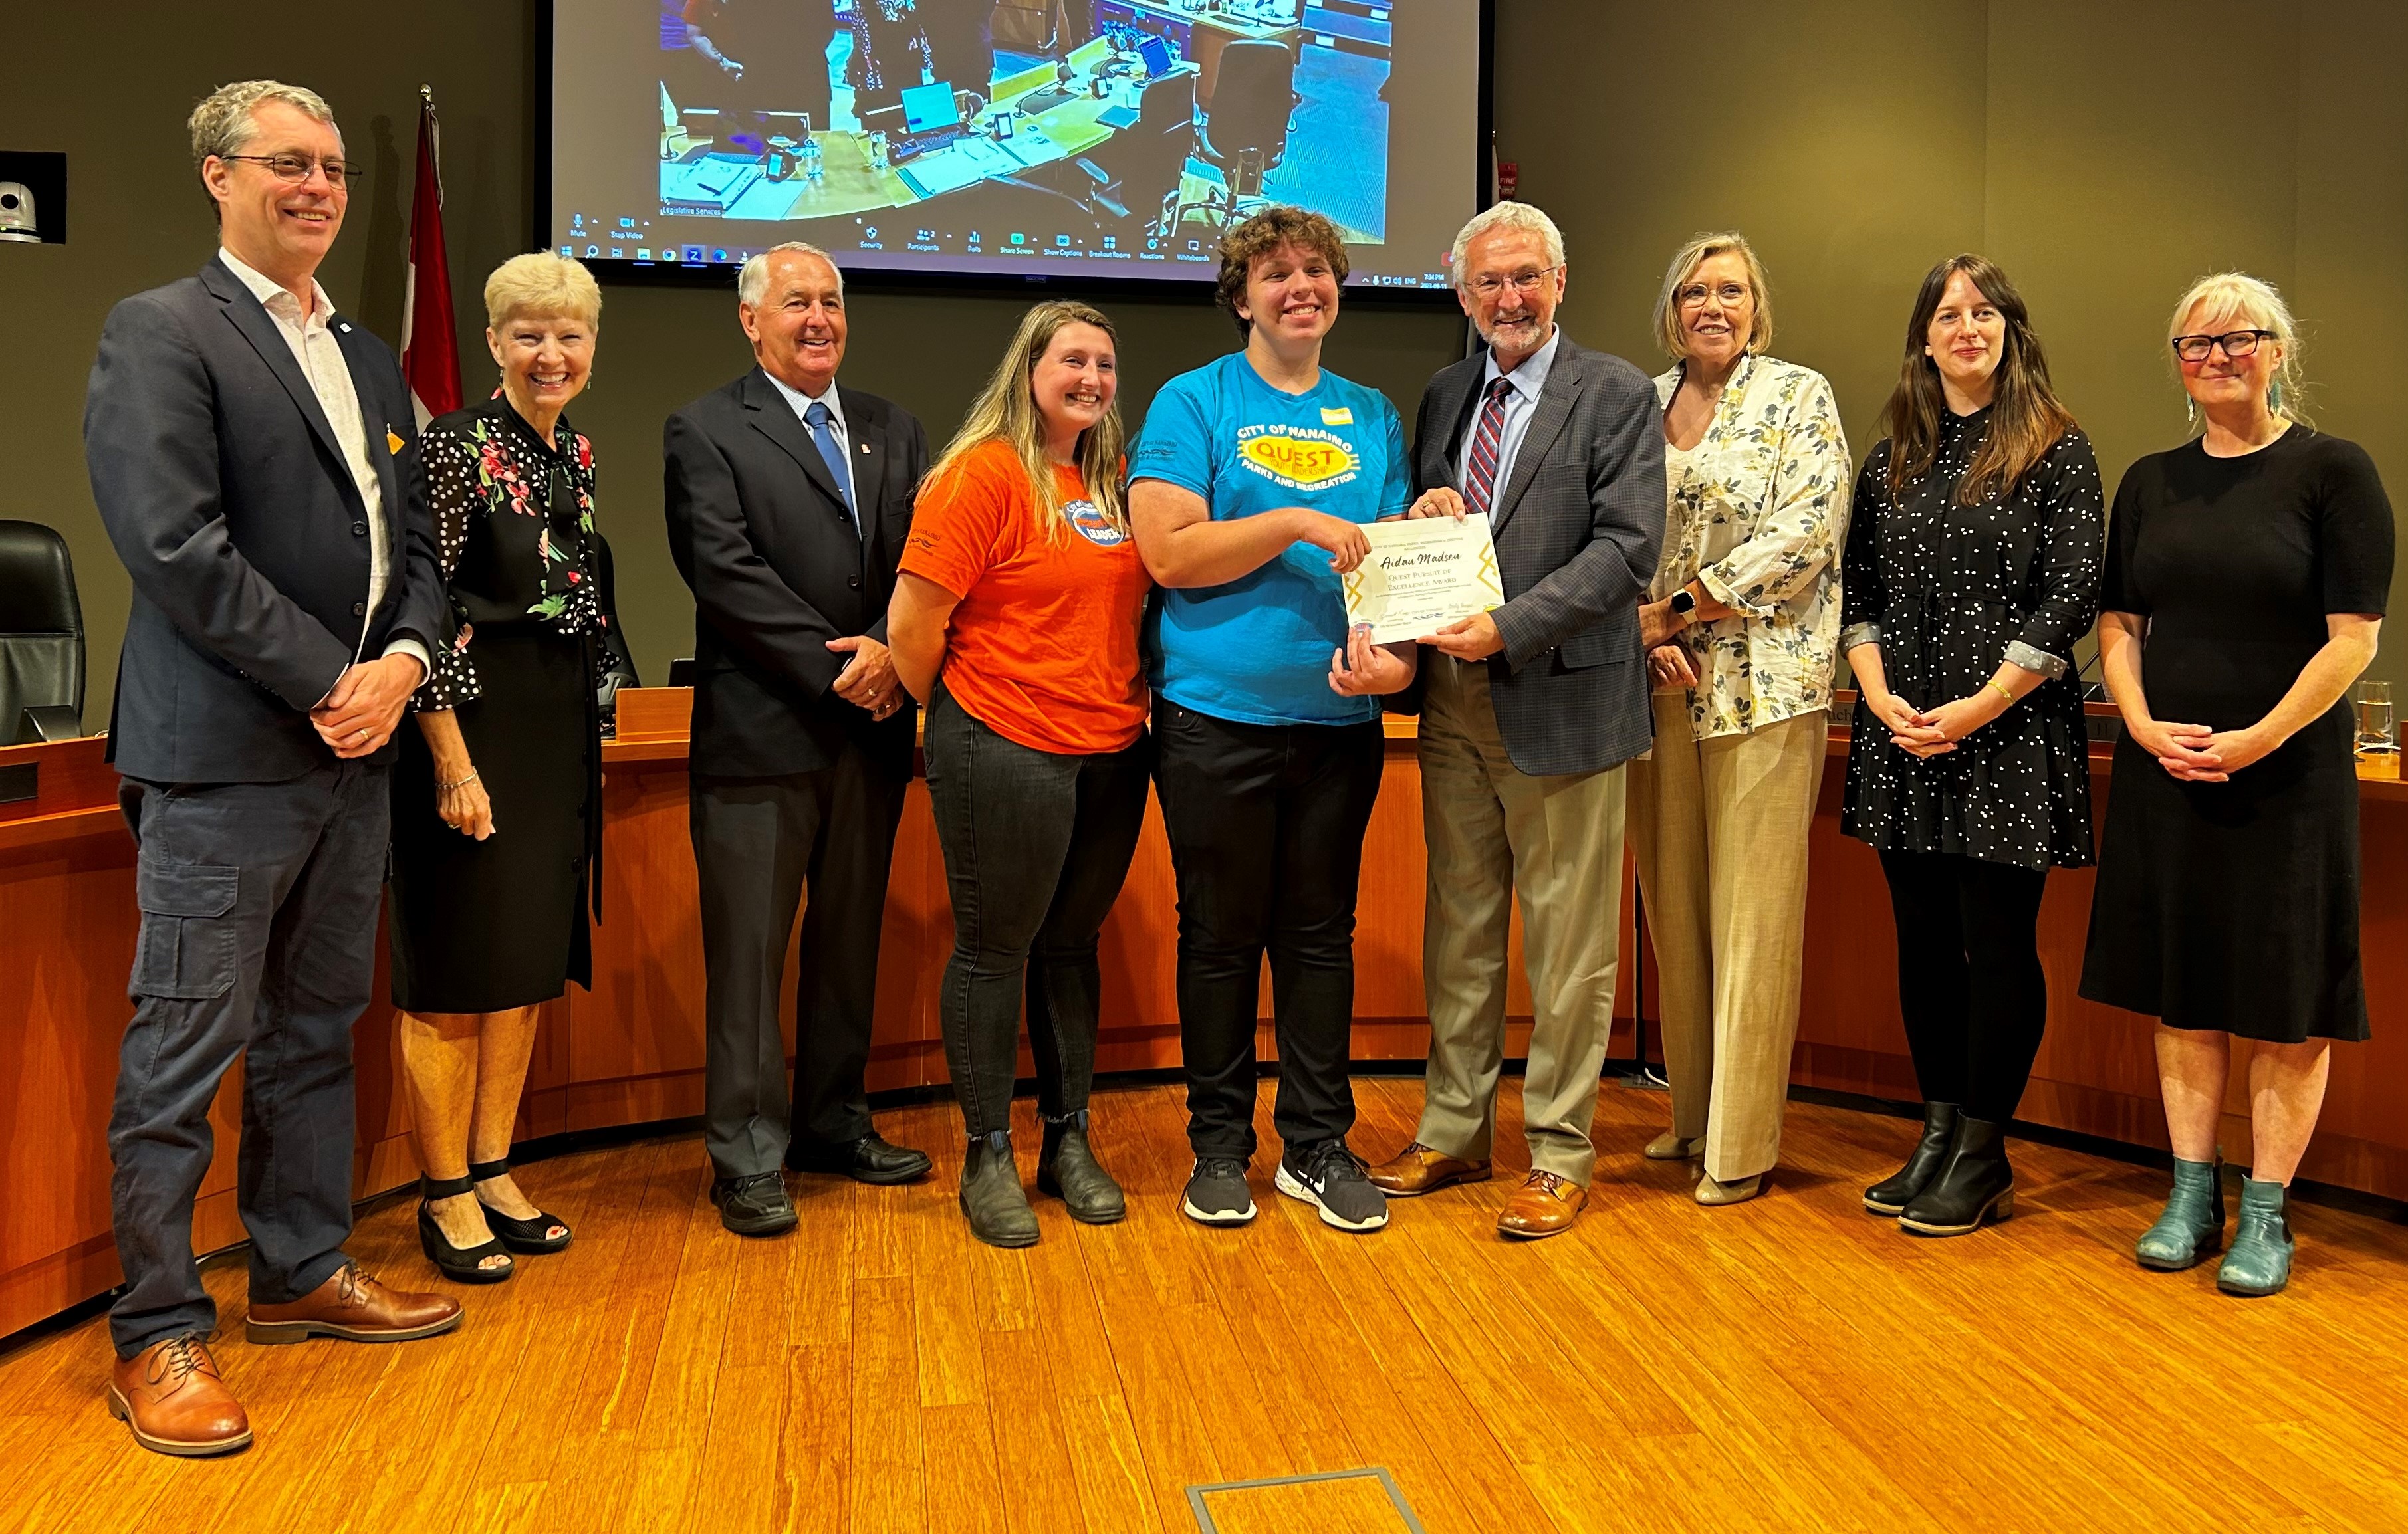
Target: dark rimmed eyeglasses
x,y
2233,343
296,167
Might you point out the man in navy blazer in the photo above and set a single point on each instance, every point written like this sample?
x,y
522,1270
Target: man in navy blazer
x,y
244,444
1529,714
788,501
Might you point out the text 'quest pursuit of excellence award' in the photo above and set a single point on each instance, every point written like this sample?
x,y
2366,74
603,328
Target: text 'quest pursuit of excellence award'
x,y
1422,575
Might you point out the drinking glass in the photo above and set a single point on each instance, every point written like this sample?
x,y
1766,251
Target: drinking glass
x,y
2378,738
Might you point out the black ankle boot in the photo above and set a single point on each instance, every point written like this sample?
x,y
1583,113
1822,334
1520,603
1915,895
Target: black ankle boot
x,y
1893,1194
1975,1184
1067,1169
992,1197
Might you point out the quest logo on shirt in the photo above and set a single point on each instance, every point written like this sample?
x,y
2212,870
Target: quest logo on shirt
x,y
1298,457
1093,526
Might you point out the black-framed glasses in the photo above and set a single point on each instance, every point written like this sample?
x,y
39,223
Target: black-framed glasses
x,y
296,167
2233,343
1489,287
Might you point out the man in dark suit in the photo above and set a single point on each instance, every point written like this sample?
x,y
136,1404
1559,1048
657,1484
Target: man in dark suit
x,y
1528,713
245,443
788,503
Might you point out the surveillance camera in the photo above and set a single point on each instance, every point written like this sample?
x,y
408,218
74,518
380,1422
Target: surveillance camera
x,y
17,213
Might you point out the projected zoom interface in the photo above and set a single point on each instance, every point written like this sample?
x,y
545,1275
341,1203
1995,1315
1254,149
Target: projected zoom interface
x,y
949,135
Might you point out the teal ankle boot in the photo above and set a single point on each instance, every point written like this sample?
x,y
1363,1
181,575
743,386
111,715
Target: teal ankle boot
x,y
2192,1226
2259,1262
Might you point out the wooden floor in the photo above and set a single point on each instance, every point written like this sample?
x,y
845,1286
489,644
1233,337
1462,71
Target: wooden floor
x,y
1791,1363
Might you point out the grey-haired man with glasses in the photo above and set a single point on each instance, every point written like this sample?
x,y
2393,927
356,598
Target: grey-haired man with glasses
x,y
247,449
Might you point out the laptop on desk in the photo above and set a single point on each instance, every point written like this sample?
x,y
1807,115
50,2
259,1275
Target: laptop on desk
x,y
932,118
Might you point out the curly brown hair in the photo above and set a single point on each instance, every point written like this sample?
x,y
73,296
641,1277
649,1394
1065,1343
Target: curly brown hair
x,y
1266,232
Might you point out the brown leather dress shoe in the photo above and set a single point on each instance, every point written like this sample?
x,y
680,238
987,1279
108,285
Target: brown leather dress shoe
x,y
173,1397
1545,1205
357,1307
1417,1169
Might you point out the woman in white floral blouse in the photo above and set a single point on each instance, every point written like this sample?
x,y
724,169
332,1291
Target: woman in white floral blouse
x,y
1742,626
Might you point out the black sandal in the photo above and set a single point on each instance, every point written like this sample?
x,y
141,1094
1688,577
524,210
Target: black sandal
x,y
524,1236
460,1264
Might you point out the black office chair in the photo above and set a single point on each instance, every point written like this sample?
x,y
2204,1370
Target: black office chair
x,y
1134,178
1245,131
41,637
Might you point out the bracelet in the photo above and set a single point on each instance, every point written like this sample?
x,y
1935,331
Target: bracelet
x,y
442,787
2012,699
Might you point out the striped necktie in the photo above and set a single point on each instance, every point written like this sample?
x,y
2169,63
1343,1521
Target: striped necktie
x,y
1487,450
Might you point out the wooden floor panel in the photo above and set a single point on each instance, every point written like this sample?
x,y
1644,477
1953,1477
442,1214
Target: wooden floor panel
x,y
1788,1364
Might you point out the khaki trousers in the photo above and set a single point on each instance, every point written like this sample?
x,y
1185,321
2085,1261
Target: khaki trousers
x,y
1720,829
1494,830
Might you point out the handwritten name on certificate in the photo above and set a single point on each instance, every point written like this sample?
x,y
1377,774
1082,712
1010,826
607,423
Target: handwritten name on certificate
x,y
1422,576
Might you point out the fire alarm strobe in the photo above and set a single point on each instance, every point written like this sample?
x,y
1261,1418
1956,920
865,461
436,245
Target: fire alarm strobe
x,y
17,213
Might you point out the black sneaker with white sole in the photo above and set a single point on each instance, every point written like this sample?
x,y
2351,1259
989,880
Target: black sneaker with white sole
x,y
1217,1193
1329,1177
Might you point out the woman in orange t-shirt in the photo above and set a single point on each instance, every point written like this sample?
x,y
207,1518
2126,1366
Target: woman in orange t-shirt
x,y
1023,590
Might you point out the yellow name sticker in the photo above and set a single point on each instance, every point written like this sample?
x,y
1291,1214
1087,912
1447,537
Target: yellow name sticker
x,y
1339,416
1299,459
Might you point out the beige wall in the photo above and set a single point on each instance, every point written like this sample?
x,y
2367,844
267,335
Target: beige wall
x,y
2081,145
1857,141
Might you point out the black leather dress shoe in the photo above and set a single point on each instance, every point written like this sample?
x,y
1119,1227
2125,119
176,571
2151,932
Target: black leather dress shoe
x,y
753,1206
870,1159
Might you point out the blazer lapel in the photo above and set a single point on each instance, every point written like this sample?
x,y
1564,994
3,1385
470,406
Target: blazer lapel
x,y
366,364
775,420
1547,423
869,435
1456,408
267,339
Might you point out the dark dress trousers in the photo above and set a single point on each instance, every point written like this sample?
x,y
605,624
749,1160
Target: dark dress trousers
x,y
792,785
1576,527
261,856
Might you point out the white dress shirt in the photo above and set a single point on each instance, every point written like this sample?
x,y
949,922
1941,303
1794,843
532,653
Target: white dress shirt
x,y
320,356
802,404
1521,403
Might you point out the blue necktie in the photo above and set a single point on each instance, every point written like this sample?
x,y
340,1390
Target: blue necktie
x,y
825,435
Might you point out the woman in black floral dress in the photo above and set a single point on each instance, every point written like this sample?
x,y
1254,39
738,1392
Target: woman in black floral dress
x,y
496,807
1971,570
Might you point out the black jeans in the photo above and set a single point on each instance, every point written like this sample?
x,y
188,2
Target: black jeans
x,y
757,843
1037,845
259,918
1970,981
1265,825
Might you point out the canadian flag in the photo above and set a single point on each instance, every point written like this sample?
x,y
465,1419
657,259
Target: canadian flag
x,y
430,347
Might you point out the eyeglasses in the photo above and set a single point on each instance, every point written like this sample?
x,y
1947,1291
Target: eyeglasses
x,y
296,167
1489,287
2233,343
1731,293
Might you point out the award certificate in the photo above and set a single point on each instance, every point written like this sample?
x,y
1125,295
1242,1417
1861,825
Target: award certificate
x,y
1421,575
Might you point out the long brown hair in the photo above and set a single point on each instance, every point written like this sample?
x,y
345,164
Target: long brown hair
x,y
1006,411
2026,418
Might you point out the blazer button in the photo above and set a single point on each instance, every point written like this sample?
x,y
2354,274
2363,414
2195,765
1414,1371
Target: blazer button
x,y
359,609
856,582
359,529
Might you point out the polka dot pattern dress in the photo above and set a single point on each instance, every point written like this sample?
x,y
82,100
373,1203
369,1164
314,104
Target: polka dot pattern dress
x,y
1948,591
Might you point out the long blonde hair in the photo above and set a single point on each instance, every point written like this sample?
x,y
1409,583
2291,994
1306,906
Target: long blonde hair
x,y
1006,411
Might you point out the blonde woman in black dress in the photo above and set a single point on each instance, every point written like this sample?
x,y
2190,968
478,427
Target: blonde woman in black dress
x,y
2247,575
1971,571
496,805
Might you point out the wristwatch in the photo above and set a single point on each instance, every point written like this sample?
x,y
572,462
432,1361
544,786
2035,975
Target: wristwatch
x,y
1684,606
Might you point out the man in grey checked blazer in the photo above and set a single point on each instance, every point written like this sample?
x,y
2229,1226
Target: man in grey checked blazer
x,y
1528,713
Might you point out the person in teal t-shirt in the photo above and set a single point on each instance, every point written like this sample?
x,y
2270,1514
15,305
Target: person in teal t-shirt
x,y
1248,491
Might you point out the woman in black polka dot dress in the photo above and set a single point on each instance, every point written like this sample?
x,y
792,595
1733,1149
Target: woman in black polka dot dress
x,y
496,800
1972,568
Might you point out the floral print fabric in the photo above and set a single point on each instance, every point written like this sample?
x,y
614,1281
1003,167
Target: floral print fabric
x,y
514,529
1756,514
